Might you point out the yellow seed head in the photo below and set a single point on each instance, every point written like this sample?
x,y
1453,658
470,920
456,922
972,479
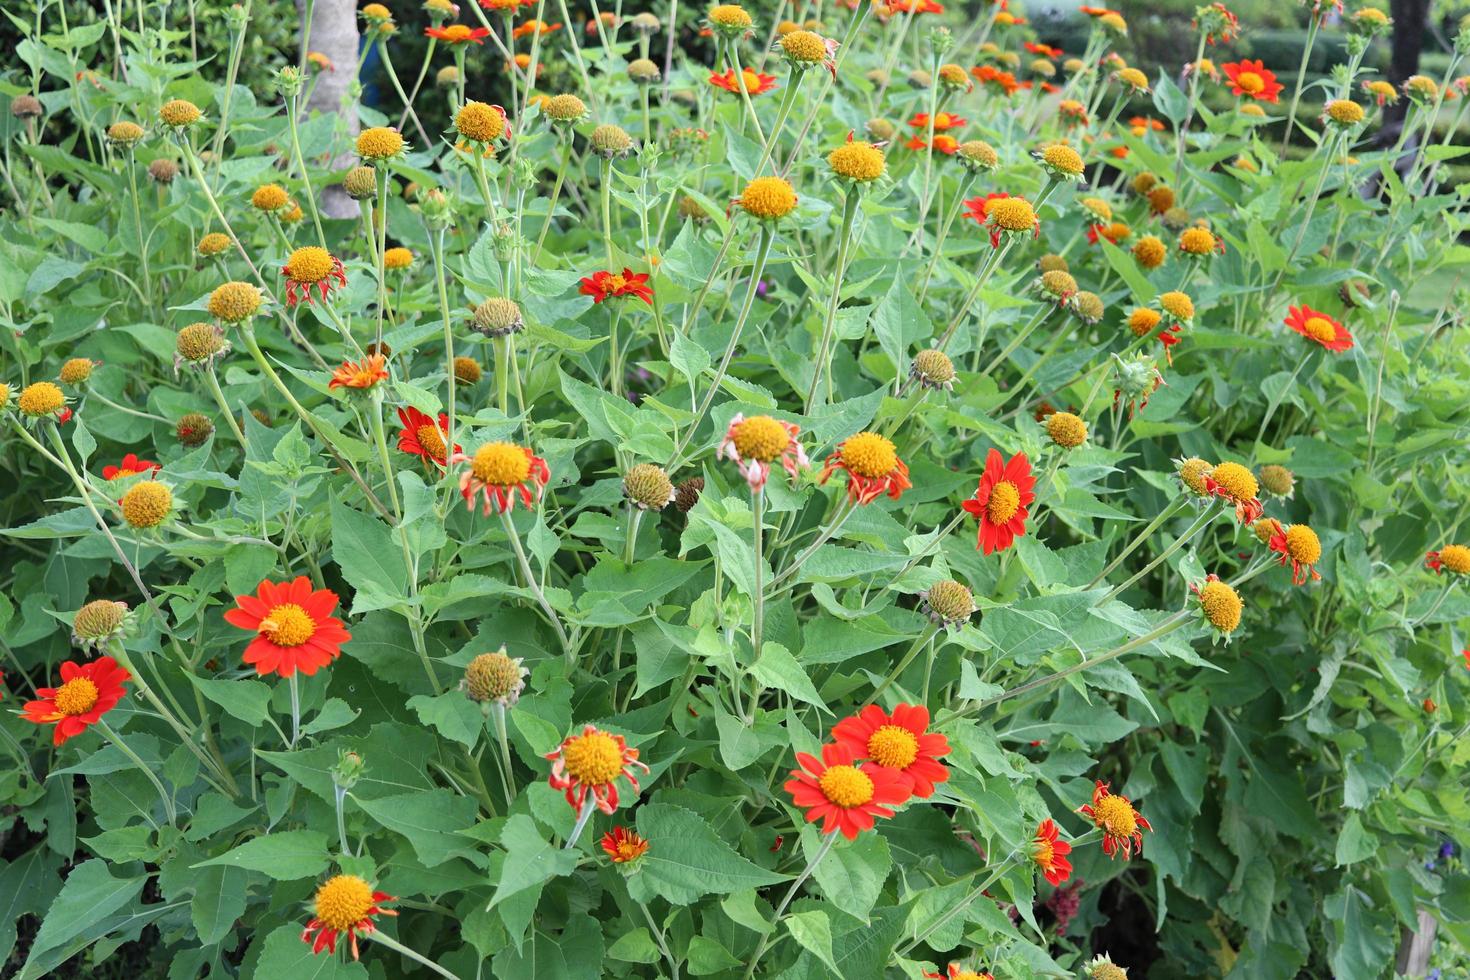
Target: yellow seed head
x,y
648,487
768,198
1142,320
978,155
361,183
1012,213
1197,241
344,900
564,108
269,197
147,504
804,46
194,429
198,342
1063,159
1066,430
379,143
494,677
1059,284
933,368
498,316
40,398
730,15
1303,545
1221,605
1177,305
1051,262
234,302
76,370
1344,112
1150,252
98,621
1192,473
124,133
1089,306
846,786
643,71
479,122
1133,78
501,464
869,454
179,113
953,76
893,747
1455,557
467,370
1278,479
593,759
397,258
857,161
309,264
1236,480
949,602
611,141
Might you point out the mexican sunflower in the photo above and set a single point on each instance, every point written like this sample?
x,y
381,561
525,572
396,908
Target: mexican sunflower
x,y
457,34
499,472
1049,852
535,27
1319,327
1455,557
1299,545
423,437
87,692
754,83
130,465
942,121
755,443
588,766
1115,816
898,742
957,972
1001,499
1253,79
943,143
612,285
360,375
623,845
872,465
293,625
343,903
312,268
844,796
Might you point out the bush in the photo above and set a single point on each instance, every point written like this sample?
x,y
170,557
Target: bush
x,y
653,531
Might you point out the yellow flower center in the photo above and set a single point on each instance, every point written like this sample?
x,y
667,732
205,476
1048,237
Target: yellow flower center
x,y
1177,305
1066,430
1345,111
397,258
146,504
594,759
310,264
457,33
1108,971
41,398
616,281
1042,853
1221,605
1142,320
730,15
213,243
234,301
501,464
1265,529
869,454
1063,158
1303,545
1197,241
479,121
628,850
431,439
1319,329
762,438
343,901
1192,473
1004,501
847,786
893,746
1237,481
379,143
287,625
804,46
1250,83
270,197
1455,557
1115,816
768,197
1012,213
856,161
76,696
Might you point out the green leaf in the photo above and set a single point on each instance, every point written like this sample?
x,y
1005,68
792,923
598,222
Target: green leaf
x,y
285,955
431,820
687,859
530,860
706,957
1354,843
851,876
90,893
777,668
899,323
371,561
813,930
284,856
219,899
452,715
635,947
244,699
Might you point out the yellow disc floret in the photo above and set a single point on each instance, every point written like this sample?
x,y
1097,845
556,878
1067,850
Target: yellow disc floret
x,y
1455,557
1221,605
847,786
1196,241
869,454
1237,481
479,121
859,160
309,264
1066,430
1178,305
730,15
213,243
1004,501
1012,213
234,302
1303,545
76,697
1344,112
344,900
761,438
379,143
1142,320
40,398
147,504
397,258
768,198
893,747
804,46
501,464
1115,815
1150,252
269,197
179,112
594,758
1063,158
288,625
1192,473
76,370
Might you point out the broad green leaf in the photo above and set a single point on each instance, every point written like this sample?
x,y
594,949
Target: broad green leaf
x,y
687,859
284,856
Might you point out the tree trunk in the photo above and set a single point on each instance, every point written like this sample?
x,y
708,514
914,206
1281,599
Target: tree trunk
x,y
1406,41
334,34
1416,947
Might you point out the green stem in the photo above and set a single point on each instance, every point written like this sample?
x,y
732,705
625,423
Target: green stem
x,y
1204,518
163,794
298,159
212,381
1301,76
765,942
902,664
824,353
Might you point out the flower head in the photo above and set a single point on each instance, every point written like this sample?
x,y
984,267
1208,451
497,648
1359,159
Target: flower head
x,y
343,904
754,443
857,161
1219,603
1062,162
846,797
234,302
1253,80
213,243
1197,242
977,155
498,473
1299,545
589,764
1150,252
1001,499
481,122
730,19
312,267
423,436
293,625
648,487
610,141
269,198
1049,852
1217,23
1454,558
455,35
746,80
360,375
130,465
1177,307
1194,474
494,677
1384,93
379,143
1319,327
1278,480
497,316
146,505
398,258
199,344
942,121
1100,967
87,692
615,285
194,429
1066,430
41,399
179,113
1121,824
898,742
1011,216
623,846
767,198
1343,113
124,133
98,623
958,972
933,368
1237,485
564,109
949,603
872,465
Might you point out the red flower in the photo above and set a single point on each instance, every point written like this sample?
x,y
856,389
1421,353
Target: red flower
x,y
591,763
362,374
343,903
1000,501
976,207
1050,853
942,121
130,465
1253,79
753,82
624,845
293,625
1002,81
1319,327
898,742
423,437
957,972
312,268
1226,24
943,142
844,796
1045,50
87,692
1297,544
499,472
602,285
457,34
873,468
916,6
1121,824
1097,11
535,27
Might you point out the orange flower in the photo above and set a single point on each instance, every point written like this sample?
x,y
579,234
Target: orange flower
x,y
130,465
753,82
957,972
1319,327
293,625
423,437
623,845
1253,79
362,374
943,143
499,472
343,903
87,692
1001,82
916,6
942,121
1456,558
312,267
844,796
873,468
1299,545
755,443
898,742
1115,816
1050,852
602,285
457,34
1000,501
535,27
590,763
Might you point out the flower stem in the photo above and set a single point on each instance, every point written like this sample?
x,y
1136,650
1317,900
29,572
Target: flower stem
x,y
515,542
1204,518
844,245
340,797
212,380
1301,76
497,715
382,939
1137,542
588,805
827,843
163,794
903,663
300,161
138,226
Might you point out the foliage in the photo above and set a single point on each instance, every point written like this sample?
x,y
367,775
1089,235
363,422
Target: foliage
x,y
724,497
